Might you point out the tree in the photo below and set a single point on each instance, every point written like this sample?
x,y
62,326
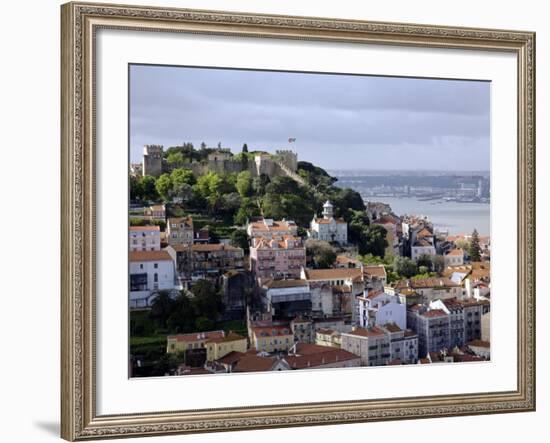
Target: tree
x,y
209,186
259,184
136,188
345,201
181,176
182,315
249,208
425,261
244,184
164,187
375,241
240,239
475,249
405,267
175,159
323,253
206,299
462,243
149,190
245,148
438,264
161,308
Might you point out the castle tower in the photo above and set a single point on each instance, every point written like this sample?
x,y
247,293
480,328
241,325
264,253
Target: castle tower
x,y
288,158
328,210
152,160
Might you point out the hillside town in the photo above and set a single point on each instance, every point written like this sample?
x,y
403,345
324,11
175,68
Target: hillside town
x,y
258,262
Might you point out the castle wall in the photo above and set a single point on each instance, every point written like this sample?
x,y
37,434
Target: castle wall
x,y
282,163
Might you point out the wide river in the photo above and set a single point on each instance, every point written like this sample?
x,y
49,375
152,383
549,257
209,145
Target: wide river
x,y
457,218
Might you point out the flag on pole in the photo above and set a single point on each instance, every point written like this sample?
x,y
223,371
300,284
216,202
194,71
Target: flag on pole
x,y
291,140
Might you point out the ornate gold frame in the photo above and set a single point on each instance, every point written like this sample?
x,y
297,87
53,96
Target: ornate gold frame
x,y
79,420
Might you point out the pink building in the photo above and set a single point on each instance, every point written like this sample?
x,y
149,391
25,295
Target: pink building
x,y
277,257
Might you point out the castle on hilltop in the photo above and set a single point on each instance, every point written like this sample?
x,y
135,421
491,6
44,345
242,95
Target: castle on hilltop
x,y
222,161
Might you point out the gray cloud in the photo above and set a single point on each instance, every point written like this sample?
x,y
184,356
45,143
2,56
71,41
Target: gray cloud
x,y
339,121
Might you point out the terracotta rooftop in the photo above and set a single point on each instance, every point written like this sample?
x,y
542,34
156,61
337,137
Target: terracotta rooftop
x,y
271,331
363,332
214,247
231,358
139,256
197,336
434,313
145,228
375,271
455,253
253,363
333,274
325,357
345,260
431,282
392,327
309,348
188,221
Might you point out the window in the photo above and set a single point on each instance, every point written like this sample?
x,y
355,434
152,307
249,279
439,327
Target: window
x,y
156,265
156,278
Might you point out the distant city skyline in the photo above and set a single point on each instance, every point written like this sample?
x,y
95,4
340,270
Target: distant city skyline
x,y
340,122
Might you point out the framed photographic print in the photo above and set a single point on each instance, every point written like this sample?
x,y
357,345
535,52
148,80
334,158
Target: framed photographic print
x,y
282,221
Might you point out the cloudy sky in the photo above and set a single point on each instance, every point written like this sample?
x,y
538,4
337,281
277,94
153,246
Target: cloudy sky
x,y
339,121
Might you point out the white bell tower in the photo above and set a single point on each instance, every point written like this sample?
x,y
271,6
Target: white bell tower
x,y
328,210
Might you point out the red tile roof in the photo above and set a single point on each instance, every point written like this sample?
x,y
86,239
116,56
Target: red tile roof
x,y
333,274
325,357
253,363
363,332
213,247
145,228
434,313
139,256
197,336
375,271
271,331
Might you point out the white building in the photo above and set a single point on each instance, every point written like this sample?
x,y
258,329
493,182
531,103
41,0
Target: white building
x,y
150,272
144,238
423,243
378,309
378,346
328,228
454,257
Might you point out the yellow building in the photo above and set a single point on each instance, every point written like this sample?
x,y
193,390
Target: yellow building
x,y
217,348
187,342
272,338
328,337
216,343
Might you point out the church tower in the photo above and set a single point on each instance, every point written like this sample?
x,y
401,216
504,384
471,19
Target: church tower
x,y
328,210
